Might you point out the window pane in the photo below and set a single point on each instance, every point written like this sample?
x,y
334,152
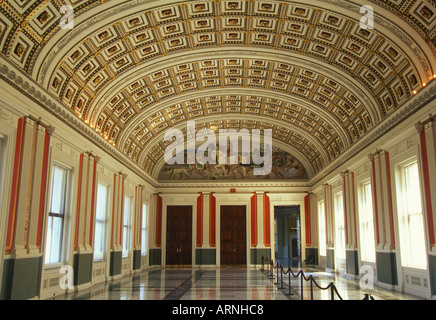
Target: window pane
x,y
98,245
367,241
413,195
127,210
58,190
54,240
417,242
55,221
411,224
102,202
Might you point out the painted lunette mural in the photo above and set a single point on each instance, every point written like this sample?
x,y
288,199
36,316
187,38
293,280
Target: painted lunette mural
x,y
284,166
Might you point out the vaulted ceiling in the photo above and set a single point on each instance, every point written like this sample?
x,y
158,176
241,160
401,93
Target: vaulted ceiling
x,y
132,69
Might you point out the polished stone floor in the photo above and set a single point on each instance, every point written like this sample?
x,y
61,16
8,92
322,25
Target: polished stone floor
x,y
226,283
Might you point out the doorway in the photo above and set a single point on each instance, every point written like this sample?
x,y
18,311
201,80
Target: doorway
x,y
179,235
287,236
233,235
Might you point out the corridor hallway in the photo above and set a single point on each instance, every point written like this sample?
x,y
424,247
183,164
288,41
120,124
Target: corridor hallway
x,y
225,283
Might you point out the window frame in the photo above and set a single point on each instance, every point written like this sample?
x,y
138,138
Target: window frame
x,y
366,222
65,216
322,228
406,251
104,222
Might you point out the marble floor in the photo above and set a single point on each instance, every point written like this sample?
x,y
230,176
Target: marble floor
x,y
226,283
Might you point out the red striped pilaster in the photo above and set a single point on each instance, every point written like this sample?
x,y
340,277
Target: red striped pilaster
x,y
113,210
212,220
43,187
354,209
253,212
375,202
266,221
390,205
200,220
427,191
79,197
158,221
19,142
93,200
307,220
121,210
344,199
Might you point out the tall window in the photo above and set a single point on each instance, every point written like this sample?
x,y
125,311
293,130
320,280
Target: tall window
x,y
56,215
101,221
366,219
126,225
340,227
412,236
321,225
144,230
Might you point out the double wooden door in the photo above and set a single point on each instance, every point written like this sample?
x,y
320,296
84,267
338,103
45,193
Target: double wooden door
x,y
233,235
179,235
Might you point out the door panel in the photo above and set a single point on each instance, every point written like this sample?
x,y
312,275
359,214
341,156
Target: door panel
x,y
233,235
179,235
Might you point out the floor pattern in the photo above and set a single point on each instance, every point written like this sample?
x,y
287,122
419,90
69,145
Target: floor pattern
x,y
226,283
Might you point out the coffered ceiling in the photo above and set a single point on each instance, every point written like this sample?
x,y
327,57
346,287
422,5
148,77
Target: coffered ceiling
x,y
132,69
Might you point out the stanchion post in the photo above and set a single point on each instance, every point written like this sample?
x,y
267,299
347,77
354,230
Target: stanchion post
x,y
332,289
301,282
271,267
289,272
311,287
277,273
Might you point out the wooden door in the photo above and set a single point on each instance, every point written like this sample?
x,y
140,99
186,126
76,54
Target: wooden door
x,y
233,235
179,235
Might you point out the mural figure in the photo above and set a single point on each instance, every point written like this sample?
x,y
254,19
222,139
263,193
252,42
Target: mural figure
x,y
284,166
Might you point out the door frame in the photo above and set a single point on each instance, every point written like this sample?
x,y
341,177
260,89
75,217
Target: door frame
x,y
246,231
292,199
178,200
166,233
288,237
232,200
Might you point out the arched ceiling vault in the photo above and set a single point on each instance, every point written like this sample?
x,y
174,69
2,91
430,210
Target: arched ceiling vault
x,y
133,69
